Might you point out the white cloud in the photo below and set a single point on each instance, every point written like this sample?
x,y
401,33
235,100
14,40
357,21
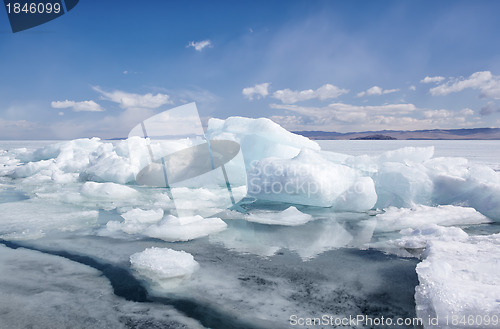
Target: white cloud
x,y
438,114
428,79
326,91
258,91
346,117
447,114
412,88
200,45
84,106
376,90
130,100
488,84
136,109
342,107
341,112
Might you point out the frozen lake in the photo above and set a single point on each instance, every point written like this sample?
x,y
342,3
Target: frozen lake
x,y
66,244
485,152
479,151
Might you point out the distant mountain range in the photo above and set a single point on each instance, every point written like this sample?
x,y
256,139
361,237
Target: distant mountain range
x,y
473,133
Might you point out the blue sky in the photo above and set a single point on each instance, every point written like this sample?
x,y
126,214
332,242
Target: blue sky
x,y
308,65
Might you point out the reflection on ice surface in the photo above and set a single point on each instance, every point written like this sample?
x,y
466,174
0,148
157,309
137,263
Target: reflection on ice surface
x,y
326,232
338,234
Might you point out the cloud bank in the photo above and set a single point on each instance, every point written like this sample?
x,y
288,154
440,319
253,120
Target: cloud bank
x,y
485,82
130,100
343,117
324,92
288,96
84,106
376,90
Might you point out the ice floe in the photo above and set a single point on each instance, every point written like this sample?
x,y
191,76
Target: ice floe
x,y
288,217
151,223
164,268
